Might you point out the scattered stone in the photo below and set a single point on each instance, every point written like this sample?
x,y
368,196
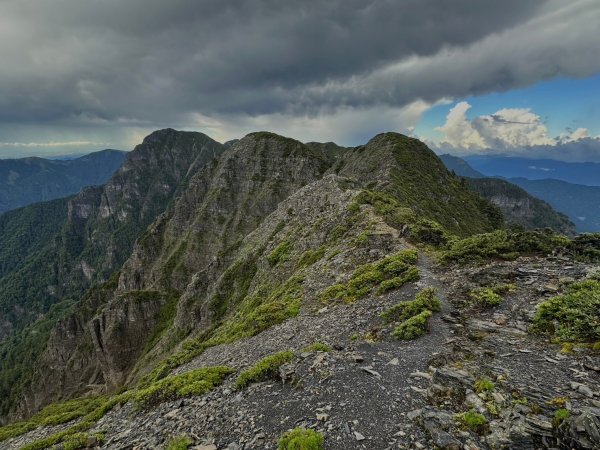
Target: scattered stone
x,y
359,437
370,370
582,389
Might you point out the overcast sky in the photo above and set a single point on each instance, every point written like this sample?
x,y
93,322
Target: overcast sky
x,y
81,75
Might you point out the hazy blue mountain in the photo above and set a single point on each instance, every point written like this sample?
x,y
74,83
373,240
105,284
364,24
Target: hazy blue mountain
x,y
30,180
581,203
460,167
587,173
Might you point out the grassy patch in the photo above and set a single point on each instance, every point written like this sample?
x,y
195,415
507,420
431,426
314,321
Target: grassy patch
x,y
80,440
301,439
472,420
503,244
179,443
573,316
413,327
388,273
309,257
54,414
266,368
280,253
86,422
424,300
485,297
483,385
317,347
195,382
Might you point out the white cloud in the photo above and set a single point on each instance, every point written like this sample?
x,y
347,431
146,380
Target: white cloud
x,y
507,128
572,136
458,131
512,127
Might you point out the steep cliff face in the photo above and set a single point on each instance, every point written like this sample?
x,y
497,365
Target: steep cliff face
x,y
94,238
222,204
194,242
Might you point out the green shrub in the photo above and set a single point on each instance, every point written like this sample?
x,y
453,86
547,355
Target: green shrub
x,y
309,257
505,288
483,385
573,316
560,416
485,297
53,414
429,232
280,253
333,292
413,327
179,443
411,275
472,420
317,347
388,273
424,300
503,244
301,439
586,247
195,382
266,368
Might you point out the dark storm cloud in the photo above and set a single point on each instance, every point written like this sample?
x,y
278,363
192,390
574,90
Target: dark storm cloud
x,y
112,70
140,60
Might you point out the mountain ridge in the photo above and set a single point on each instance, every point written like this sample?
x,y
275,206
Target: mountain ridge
x,y
34,179
249,249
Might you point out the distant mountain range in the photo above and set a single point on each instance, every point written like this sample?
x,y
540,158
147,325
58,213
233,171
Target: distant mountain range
x,y
578,201
29,180
587,173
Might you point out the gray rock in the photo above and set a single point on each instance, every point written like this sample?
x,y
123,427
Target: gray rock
x,y
582,431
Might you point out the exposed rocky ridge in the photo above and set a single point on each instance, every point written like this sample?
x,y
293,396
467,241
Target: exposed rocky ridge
x,y
373,392
237,268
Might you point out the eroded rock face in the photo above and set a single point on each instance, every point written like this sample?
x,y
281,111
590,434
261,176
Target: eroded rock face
x,y
100,229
